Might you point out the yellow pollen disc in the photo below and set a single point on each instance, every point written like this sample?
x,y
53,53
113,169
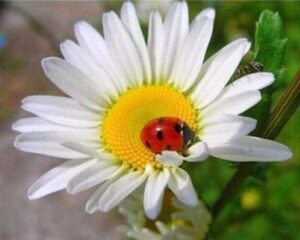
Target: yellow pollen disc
x,y
126,118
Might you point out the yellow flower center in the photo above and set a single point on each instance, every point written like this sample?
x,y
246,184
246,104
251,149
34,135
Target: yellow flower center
x,y
126,118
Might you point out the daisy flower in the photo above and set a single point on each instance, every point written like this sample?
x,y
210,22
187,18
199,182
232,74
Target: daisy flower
x,y
117,84
185,223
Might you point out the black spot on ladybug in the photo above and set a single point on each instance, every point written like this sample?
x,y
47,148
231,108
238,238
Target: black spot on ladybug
x,y
168,147
148,144
160,135
178,128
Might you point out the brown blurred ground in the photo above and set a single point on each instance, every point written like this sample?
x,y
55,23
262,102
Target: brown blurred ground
x,y
59,216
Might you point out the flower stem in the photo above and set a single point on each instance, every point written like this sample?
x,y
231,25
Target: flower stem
x,y
282,112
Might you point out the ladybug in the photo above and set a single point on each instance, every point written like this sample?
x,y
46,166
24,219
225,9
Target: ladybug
x,y
167,133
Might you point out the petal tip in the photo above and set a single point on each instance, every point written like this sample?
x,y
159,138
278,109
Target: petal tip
x,y
14,126
286,154
31,193
80,24
210,13
48,62
270,78
247,46
151,214
127,4
71,189
89,209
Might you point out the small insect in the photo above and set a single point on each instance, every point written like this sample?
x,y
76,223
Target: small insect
x,y
252,67
167,133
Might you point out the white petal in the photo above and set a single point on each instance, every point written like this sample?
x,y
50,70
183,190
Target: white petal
x,y
120,189
236,104
225,127
95,174
91,40
251,82
249,149
176,27
197,152
61,110
169,158
130,20
88,150
74,83
93,43
122,48
218,74
49,143
92,204
57,178
181,185
36,124
208,62
189,62
207,13
155,45
89,66
154,191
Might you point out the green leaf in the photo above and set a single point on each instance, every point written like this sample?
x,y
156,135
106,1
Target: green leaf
x,y
269,50
270,42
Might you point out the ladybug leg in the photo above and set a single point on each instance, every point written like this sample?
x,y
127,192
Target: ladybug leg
x,y
188,135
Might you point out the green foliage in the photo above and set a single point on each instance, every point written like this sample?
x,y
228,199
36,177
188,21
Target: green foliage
x,y
270,43
278,216
269,50
209,177
260,173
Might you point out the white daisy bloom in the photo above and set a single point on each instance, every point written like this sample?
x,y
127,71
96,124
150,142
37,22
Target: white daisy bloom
x,y
186,223
117,83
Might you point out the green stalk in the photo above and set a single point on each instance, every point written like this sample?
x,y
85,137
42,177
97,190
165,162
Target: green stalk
x,y
283,111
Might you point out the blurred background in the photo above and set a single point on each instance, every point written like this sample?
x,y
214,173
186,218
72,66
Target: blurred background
x,y
268,207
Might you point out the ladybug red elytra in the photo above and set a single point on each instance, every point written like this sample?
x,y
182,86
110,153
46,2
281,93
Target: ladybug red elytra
x,y
167,133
